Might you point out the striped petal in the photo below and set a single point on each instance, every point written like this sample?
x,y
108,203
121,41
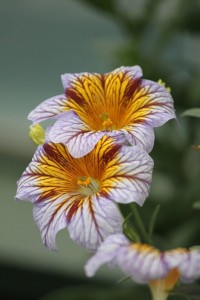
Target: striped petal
x,y
152,104
187,262
141,262
129,180
73,133
93,221
70,80
50,217
106,253
49,109
140,135
146,264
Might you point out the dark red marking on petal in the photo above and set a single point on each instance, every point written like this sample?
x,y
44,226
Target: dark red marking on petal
x,y
102,79
111,153
132,87
104,194
47,195
73,209
51,220
94,219
54,155
72,94
50,150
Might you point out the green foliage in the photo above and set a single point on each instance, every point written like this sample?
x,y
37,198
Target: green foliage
x,y
192,112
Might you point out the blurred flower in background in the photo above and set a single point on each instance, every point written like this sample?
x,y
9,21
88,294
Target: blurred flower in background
x,y
145,264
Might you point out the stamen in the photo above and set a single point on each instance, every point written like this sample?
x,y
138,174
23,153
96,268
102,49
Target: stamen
x,y
88,185
84,180
106,122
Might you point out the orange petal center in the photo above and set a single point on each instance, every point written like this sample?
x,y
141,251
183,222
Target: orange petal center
x,y
106,122
161,287
84,180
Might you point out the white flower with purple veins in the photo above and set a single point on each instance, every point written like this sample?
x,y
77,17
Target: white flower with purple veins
x,y
146,264
82,194
119,103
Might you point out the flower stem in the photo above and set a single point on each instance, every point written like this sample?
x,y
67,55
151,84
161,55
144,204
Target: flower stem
x,y
140,224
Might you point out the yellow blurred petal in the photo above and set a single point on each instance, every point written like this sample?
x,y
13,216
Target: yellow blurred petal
x,y
37,134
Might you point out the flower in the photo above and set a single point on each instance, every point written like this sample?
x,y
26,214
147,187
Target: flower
x,y
119,103
146,264
81,194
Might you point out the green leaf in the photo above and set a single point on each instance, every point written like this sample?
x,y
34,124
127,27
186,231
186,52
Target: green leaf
x,y
192,112
153,220
130,231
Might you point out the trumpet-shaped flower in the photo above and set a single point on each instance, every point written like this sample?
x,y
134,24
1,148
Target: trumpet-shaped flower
x,y
82,194
146,264
119,103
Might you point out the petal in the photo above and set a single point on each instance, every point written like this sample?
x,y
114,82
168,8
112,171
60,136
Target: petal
x,y
69,79
128,179
50,217
46,177
190,267
151,104
140,135
133,71
186,261
106,253
142,262
49,109
174,258
72,132
94,220
120,84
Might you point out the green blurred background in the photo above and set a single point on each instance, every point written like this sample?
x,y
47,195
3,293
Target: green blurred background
x,y
42,39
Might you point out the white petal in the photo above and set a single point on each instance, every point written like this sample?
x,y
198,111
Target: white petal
x,y
106,253
190,267
142,266
132,180
50,217
158,101
72,132
140,135
93,221
134,72
49,109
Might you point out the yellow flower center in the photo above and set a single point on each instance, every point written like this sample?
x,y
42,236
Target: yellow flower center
x,y
88,185
84,180
160,287
106,122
